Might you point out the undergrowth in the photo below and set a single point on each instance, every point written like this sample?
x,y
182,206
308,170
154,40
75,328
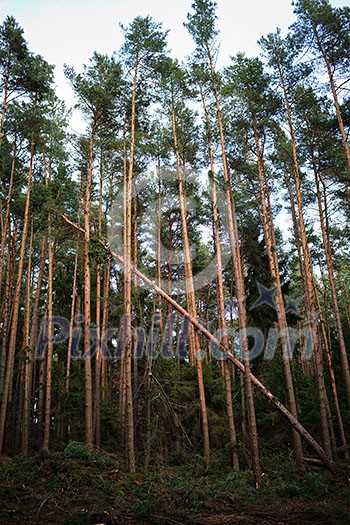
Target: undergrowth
x,y
78,486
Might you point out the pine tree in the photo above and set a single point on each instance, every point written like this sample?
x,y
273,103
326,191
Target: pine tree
x,y
142,51
97,89
326,30
249,89
202,27
39,85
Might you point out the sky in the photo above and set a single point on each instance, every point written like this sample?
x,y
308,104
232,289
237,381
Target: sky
x,y
69,31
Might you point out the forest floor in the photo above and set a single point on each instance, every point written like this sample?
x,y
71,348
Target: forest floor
x,y
81,487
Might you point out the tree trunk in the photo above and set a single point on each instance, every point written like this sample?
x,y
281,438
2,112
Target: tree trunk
x,y
4,106
17,295
98,358
128,185
104,363
89,437
221,299
32,346
329,261
5,224
194,341
71,320
48,386
239,280
308,275
335,97
332,379
7,304
270,240
27,354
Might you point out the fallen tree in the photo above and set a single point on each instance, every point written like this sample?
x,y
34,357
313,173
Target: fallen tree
x,y
293,421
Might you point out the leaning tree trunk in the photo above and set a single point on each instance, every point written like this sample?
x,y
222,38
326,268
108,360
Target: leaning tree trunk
x,y
328,462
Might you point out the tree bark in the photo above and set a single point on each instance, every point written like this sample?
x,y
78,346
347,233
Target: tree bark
x,y
308,276
221,297
323,213
239,280
89,437
270,240
194,341
27,354
17,295
48,386
335,96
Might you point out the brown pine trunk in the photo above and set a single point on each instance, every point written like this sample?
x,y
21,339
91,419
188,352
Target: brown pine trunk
x,y
41,379
48,386
27,354
19,396
4,106
128,185
239,281
221,299
194,341
104,363
270,240
335,97
148,445
345,304
323,213
6,306
32,346
308,276
136,303
74,300
97,411
159,239
327,349
17,295
5,224
89,437
98,324
122,377
71,320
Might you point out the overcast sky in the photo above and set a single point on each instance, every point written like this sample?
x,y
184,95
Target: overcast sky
x,y
69,31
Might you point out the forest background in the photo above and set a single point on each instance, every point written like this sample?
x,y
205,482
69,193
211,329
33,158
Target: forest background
x,y
202,209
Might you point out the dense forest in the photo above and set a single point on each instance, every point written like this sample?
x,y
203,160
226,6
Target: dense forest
x,y
175,281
